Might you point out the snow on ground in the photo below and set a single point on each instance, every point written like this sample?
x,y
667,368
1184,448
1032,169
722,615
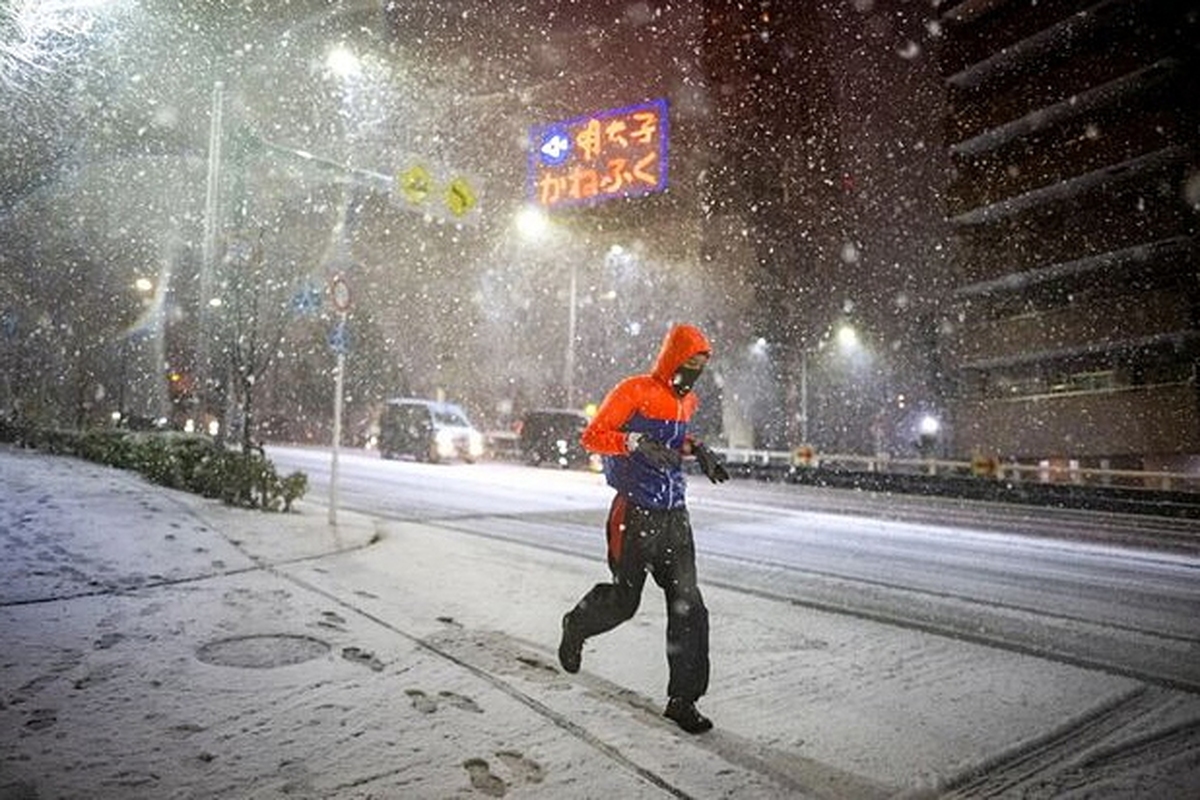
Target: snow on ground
x,y
158,645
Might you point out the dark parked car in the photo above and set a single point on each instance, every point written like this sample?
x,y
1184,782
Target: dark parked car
x,y
551,436
428,430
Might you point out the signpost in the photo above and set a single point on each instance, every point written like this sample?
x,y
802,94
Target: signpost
x,y
339,341
420,189
339,290
412,188
460,197
416,184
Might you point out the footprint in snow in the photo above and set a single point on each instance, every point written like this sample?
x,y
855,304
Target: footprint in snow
x,y
330,619
427,705
107,640
364,657
41,718
461,702
522,769
421,701
482,778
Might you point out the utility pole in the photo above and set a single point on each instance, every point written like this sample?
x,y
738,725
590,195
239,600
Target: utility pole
x,y
212,227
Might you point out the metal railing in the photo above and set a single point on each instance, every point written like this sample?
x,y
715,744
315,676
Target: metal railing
x,y
984,469
504,446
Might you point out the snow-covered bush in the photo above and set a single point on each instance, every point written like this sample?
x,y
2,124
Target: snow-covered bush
x,y
193,463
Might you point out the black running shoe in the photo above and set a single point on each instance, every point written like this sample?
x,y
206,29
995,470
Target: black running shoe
x,y
570,649
685,715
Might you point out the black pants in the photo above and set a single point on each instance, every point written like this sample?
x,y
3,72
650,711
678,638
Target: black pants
x,y
641,539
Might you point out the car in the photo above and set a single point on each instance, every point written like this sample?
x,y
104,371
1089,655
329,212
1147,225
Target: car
x,y
428,430
551,436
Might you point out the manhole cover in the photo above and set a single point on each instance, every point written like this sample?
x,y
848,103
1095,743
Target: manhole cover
x,y
262,651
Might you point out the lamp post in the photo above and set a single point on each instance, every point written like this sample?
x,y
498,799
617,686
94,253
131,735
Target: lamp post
x,y
928,430
847,339
208,255
534,225
804,396
144,287
569,358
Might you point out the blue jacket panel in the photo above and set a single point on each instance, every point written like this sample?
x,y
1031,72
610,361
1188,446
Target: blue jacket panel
x,y
645,484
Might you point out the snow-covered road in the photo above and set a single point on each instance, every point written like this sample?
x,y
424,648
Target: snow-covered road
x,y
1091,589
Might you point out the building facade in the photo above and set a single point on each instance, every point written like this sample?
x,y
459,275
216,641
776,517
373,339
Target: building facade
x,y
1072,329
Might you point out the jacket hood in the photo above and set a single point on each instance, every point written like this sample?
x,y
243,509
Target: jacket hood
x,y
681,343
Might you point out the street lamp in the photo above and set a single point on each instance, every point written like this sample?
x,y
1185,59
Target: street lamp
x,y
144,287
342,62
847,339
927,432
534,225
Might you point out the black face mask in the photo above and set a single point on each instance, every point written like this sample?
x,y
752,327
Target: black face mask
x,y
684,379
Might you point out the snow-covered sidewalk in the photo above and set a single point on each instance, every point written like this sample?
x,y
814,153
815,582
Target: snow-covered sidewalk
x,y
156,644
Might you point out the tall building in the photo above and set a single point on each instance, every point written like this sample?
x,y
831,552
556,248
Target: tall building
x,y
1072,329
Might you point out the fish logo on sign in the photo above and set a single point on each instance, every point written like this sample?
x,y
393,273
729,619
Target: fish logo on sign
x,y
555,147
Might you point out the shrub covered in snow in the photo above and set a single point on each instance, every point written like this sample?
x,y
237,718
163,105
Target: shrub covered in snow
x,y
190,462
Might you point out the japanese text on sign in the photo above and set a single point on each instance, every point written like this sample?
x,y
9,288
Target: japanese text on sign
x,y
616,153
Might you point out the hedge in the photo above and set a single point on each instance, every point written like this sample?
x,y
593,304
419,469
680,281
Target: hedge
x,y
191,462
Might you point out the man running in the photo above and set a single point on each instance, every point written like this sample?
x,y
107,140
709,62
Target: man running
x,y
641,430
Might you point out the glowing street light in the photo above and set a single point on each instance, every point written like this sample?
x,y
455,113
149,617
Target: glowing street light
x,y
342,62
847,339
929,426
534,225
928,429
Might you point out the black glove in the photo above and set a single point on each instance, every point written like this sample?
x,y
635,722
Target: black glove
x,y
658,453
710,463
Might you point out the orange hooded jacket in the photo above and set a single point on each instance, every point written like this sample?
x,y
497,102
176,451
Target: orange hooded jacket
x,y
647,404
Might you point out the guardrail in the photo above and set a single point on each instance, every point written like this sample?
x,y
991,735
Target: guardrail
x,y
765,463
985,469
1116,491
1169,494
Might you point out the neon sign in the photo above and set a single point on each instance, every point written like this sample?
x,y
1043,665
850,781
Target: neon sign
x,y
616,153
